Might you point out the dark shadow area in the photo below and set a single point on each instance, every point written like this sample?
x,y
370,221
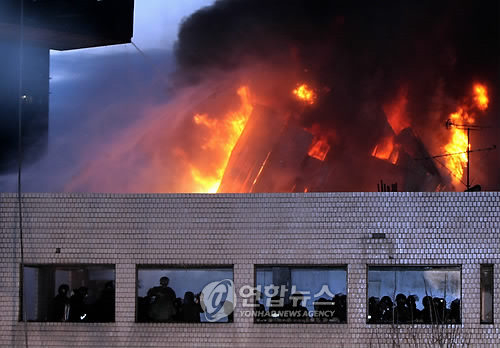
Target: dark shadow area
x,y
69,293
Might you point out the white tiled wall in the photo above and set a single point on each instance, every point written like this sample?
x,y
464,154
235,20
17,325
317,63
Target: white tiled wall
x,y
247,230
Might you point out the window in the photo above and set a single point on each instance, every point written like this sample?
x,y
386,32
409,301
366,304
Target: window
x,y
408,295
75,293
300,294
185,294
486,294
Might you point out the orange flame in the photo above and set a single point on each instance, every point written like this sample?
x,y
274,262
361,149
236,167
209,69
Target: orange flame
x,y
208,184
481,96
304,93
458,143
319,148
386,150
224,134
458,140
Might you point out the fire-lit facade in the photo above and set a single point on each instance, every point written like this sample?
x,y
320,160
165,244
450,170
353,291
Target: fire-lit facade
x,y
256,149
357,237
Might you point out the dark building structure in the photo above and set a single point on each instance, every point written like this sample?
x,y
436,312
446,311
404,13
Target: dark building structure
x,y
26,35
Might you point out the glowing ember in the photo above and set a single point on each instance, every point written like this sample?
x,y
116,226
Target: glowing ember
x,y
223,136
481,96
261,168
458,140
319,148
396,112
386,150
304,93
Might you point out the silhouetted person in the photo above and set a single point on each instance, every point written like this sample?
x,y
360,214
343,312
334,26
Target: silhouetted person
x,y
162,308
295,309
340,304
440,311
260,310
324,310
191,309
386,310
78,310
59,307
401,311
428,315
178,309
455,312
413,312
276,308
374,315
105,304
143,304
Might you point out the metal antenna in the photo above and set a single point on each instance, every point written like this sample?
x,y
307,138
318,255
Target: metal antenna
x,y
469,128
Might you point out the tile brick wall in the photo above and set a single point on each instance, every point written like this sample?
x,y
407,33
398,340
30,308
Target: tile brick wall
x,y
247,230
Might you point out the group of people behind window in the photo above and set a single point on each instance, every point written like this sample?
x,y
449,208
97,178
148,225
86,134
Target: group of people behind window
x,y
73,306
333,310
161,304
403,310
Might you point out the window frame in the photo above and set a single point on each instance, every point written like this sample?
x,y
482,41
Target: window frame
x,y
492,267
344,267
54,266
415,266
160,266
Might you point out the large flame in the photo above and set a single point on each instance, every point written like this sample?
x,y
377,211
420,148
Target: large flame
x,y
458,141
458,144
223,136
304,93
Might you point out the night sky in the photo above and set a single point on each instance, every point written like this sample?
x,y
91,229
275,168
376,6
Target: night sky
x,y
88,87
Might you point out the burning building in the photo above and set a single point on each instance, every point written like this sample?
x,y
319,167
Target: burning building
x,y
358,95
296,96
312,96
264,147
290,158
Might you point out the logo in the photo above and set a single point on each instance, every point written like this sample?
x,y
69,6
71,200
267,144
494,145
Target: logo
x,y
218,299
